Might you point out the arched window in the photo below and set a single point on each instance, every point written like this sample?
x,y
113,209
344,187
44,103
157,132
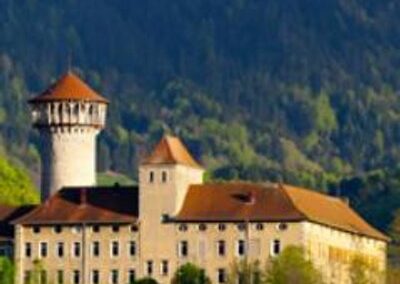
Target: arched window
x,y
91,109
76,109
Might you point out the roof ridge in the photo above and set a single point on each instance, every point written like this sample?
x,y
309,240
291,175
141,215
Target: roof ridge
x,y
171,150
167,138
281,187
69,86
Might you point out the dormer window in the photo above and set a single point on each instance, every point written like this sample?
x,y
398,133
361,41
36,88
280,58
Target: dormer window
x,y
164,176
151,177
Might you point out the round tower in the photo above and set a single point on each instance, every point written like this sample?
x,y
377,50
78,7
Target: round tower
x,y
68,115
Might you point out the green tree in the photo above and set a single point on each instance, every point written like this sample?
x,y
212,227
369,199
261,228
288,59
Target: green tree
x,y
6,271
292,266
363,272
38,274
190,274
16,186
245,272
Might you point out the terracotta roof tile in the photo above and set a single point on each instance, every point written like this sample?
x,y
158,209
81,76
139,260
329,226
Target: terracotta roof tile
x,y
269,202
69,87
170,150
90,205
329,210
231,202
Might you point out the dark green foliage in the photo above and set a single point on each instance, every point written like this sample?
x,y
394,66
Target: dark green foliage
x,y
6,271
190,274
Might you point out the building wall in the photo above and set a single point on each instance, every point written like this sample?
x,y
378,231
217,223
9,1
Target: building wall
x,y
332,251
86,262
68,158
160,198
324,245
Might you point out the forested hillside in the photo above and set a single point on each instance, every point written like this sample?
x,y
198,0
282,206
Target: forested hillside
x,y
303,91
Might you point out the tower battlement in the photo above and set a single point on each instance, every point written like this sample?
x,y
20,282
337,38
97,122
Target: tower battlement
x,y
68,116
69,113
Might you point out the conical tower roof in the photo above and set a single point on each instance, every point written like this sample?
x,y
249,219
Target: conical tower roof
x,y
69,87
170,150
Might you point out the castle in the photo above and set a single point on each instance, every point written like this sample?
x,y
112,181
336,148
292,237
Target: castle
x,y
85,234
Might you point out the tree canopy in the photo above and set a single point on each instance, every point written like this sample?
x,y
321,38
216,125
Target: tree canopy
x,y
291,266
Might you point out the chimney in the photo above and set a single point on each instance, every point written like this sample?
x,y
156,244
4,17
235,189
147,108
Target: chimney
x,y
83,196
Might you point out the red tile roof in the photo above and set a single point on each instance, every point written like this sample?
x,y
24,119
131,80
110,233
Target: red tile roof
x,y
75,205
7,215
239,202
69,87
170,150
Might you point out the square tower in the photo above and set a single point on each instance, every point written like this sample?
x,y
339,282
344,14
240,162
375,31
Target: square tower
x,y
164,179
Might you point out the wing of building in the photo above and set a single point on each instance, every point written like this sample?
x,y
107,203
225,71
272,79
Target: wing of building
x,y
90,234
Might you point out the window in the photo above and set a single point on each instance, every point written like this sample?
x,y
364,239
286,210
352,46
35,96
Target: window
x,y
95,277
76,229
132,248
134,228
241,226
151,177
36,229
164,176
149,267
282,227
221,248
221,275
183,227
259,227
43,249
76,249
203,227
57,229
275,247
60,249
96,229
114,248
28,249
241,248
164,267
96,249
114,276
183,249
60,277
76,277
115,228
221,227
131,276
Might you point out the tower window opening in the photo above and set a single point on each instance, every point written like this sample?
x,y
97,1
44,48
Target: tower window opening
x,y
164,176
151,177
